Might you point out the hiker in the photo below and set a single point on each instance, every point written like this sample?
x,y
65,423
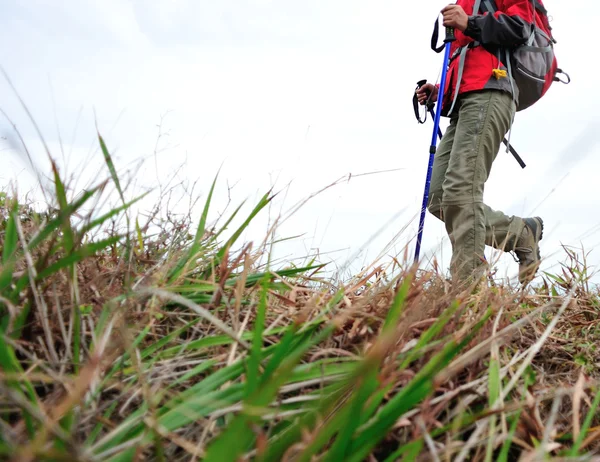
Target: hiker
x,y
481,107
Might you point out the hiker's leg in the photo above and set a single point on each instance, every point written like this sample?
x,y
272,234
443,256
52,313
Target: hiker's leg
x,y
440,165
483,120
501,230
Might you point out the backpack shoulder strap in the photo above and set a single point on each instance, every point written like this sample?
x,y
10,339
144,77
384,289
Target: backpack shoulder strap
x,y
489,6
540,8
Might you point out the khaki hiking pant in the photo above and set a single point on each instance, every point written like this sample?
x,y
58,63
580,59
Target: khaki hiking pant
x,y
462,165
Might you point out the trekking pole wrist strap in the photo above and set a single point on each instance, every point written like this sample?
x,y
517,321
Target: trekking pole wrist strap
x,y
415,100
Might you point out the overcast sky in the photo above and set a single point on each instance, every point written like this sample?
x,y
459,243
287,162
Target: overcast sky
x,y
292,95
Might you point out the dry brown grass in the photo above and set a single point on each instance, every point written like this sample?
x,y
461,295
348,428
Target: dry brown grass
x,y
152,339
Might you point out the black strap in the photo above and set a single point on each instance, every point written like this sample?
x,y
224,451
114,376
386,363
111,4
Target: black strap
x,y
489,6
430,104
420,83
558,79
435,37
540,8
514,153
440,135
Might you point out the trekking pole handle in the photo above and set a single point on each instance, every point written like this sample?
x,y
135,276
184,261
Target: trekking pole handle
x,y
450,37
430,104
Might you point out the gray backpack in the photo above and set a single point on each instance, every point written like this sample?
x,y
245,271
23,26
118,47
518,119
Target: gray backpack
x,y
531,67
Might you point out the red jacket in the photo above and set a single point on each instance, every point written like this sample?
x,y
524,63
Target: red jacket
x,y
509,26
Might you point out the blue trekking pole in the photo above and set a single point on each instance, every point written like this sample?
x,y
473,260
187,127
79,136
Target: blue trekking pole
x,y
448,42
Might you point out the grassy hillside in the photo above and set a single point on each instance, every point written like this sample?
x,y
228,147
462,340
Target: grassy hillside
x,y
159,341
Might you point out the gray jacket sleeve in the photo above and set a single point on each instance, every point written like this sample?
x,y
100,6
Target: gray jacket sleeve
x,y
504,30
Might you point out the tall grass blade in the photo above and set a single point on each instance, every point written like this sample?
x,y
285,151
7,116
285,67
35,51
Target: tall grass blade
x,y
425,341
255,278
409,452
393,316
10,364
494,395
257,341
254,406
589,418
200,231
340,449
63,215
111,167
11,240
61,196
503,454
409,396
78,255
95,223
262,203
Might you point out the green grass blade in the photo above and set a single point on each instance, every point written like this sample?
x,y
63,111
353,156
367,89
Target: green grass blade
x,y
175,408
409,452
107,216
139,236
341,447
199,369
411,395
152,349
254,279
428,336
111,167
224,448
11,240
336,420
76,338
62,215
93,436
103,320
61,196
20,321
329,396
494,395
503,455
10,234
123,359
198,406
264,201
589,418
77,256
129,455
196,346
200,231
322,369
113,174
284,347
425,341
395,311
211,382
257,342
228,222
6,449
10,363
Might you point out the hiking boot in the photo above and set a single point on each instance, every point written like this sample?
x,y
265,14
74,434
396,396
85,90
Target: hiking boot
x,y
527,249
